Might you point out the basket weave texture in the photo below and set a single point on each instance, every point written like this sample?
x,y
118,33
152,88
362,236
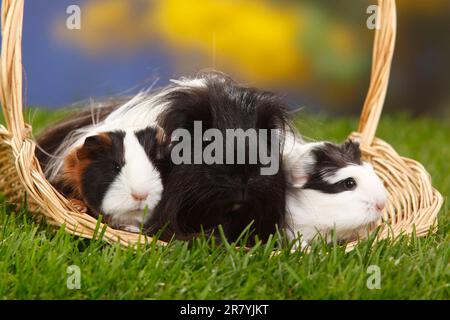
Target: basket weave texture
x,y
413,203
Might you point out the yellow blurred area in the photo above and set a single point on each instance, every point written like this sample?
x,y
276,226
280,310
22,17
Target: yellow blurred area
x,y
257,38
260,40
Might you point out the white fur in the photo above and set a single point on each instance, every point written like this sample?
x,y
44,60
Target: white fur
x,y
310,212
188,82
139,176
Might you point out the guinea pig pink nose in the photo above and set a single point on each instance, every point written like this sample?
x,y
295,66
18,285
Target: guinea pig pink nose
x,y
139,196
380,206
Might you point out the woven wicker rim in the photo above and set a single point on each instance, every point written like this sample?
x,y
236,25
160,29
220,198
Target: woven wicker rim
x,y
413,204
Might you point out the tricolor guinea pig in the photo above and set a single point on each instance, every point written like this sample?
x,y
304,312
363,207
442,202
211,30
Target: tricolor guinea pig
x,y
330,188
117,174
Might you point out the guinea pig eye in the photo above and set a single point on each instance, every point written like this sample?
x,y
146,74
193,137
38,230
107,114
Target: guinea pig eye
x,y
116,168
350,184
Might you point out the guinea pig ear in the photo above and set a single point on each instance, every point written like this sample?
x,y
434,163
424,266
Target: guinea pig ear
x,y
297,176
298,166
93,145
161,137
162,142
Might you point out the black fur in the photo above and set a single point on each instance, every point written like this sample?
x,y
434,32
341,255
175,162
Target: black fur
x,y
101,172
329,159
202,196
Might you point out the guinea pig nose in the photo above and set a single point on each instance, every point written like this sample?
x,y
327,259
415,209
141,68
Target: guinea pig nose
x,y
380,206
139,196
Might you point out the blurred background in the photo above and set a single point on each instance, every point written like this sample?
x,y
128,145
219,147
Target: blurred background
x,y
317,54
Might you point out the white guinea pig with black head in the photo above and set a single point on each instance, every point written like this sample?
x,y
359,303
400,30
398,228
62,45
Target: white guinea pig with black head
x,y
330,188
117,174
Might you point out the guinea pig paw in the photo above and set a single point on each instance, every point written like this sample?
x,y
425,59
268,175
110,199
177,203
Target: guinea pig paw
x,y
78,205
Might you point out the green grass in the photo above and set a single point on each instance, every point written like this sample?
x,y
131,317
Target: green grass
x,y
34,256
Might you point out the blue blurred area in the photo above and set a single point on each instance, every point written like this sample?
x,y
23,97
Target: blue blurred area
x,y
58,74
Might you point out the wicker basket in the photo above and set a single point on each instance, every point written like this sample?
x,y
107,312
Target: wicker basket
x,y
413,203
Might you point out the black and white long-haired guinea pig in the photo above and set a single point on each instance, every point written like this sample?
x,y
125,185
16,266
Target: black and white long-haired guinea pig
x,y
117,174
200,197
330,188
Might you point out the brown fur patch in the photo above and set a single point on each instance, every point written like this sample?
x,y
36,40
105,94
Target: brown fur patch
x,y
160,135
106,138
93,144
78,160
72,173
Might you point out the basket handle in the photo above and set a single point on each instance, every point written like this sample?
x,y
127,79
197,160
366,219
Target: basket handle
x,y
11,68
383,51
